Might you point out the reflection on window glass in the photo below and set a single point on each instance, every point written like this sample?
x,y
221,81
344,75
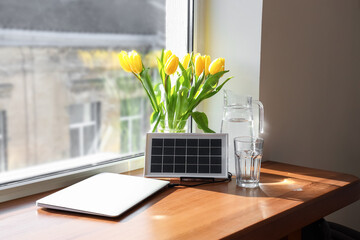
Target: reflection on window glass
x,y
61,85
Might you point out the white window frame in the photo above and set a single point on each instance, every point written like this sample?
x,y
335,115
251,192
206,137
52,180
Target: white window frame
x,y
179,38
130,119
90,123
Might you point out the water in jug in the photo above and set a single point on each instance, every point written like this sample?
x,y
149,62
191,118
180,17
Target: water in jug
x,y
238,120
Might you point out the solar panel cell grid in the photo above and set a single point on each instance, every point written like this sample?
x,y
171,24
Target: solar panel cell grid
x,y
170,155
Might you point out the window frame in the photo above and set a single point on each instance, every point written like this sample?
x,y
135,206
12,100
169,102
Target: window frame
x,y
95,108
63,177
130,119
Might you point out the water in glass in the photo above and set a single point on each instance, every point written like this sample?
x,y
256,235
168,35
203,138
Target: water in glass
x,y
247,164
248,154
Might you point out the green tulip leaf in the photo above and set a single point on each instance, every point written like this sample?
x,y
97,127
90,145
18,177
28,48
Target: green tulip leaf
x,y
185,74
155,119
202,121
147,85
161,69
219,87
154,116
157,91
162,55
181,104
212,81
167,85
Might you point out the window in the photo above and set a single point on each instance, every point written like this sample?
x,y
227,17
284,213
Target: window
x,y
133,124
65,95
84,129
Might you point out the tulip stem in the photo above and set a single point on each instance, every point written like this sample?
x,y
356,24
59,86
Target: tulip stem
x,y
166,78
137,76
191,78
152,99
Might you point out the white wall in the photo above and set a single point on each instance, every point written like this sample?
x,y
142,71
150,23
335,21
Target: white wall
x,y
231,30
310,83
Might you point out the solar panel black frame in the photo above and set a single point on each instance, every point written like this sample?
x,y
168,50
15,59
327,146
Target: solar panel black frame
x,y
213,157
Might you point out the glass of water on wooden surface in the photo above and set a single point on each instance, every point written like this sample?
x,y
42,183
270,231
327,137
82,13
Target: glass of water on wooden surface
x,y
248,154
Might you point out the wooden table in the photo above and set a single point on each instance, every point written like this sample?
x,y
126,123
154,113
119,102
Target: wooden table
x,y
289,198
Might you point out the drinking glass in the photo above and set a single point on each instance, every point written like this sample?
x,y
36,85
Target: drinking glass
x,y
248,154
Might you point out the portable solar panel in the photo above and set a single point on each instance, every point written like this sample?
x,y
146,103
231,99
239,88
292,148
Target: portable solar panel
x,y
186,155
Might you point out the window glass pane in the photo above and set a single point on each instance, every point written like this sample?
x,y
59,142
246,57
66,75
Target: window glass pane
x,y
136,133
90,140
130,107
87,127
124,130
76,113
134,114
95,112
75,150
63,90
87,113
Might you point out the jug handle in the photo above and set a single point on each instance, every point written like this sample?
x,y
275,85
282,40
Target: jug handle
x,y
261,115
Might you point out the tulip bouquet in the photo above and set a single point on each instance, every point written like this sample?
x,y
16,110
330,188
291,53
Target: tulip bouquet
x,y
182,87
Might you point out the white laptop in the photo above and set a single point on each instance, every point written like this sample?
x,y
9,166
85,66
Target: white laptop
x,y
105,194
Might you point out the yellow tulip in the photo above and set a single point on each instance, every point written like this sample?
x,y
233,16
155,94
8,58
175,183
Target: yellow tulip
x,y
171,65
135,62
199,65
124,61
223,64
207,64
167,54
185,61
195,56
217,65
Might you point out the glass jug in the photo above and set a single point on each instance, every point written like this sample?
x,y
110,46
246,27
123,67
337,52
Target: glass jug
x,y
238,120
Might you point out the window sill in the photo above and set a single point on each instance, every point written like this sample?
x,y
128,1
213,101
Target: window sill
x,y
17,184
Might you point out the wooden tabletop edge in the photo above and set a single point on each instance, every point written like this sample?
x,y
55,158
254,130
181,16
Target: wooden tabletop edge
x,y
292,222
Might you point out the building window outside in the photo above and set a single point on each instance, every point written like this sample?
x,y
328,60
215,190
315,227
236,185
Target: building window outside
x,y
3,139
84,128
134,123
